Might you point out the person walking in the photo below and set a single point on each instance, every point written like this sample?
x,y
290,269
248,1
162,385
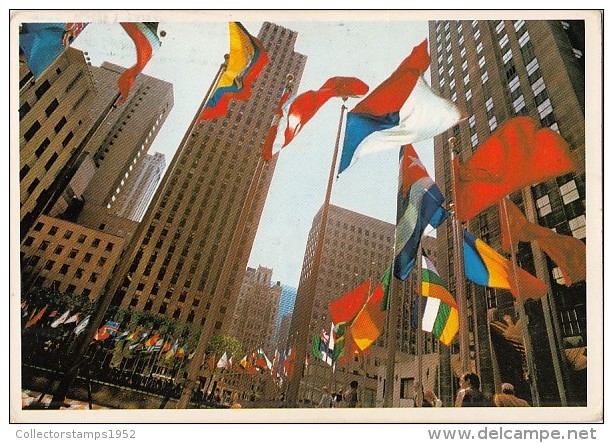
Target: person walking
x,y
431,399
235,404
470,394
351,397
508,399
326,398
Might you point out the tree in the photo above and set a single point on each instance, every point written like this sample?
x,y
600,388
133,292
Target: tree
x,y
224,343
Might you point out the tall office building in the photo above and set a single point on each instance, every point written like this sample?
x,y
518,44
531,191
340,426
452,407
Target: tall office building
x,y
493,71
54,121
132,202
253,323
356,247
287,302
184,242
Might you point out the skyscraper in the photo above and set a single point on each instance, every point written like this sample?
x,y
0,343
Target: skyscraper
x,y
184,244
356,247
54,120
495,70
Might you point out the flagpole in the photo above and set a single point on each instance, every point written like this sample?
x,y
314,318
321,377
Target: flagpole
x,y
228,263
551,324
392,320
419,397
458,240
79,346
523,318
304,325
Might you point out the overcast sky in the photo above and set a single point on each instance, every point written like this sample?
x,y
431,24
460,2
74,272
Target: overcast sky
x,y
335,45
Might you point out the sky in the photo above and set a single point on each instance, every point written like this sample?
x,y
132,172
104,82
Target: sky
x,y
335,45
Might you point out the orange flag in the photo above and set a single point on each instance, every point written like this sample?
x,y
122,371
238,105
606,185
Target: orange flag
x,y
368,324
567,252
519,153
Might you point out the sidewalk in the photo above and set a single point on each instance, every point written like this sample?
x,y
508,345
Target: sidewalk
x,y
29,398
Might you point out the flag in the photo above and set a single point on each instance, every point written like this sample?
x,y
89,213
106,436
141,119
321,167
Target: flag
x,y
246,60
401,110
519,153
368,324
152,340
167,345
268,149
566,251
243,363
223,361
306,105
60,320
42,43
440,315
74,318
485,267
145,38
172,351
340,338
107,330
262,360
345,308
419,204
141,340
35,318
180,352
81,325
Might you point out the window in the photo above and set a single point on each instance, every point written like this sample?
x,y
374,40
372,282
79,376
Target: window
x,y
72,253
477,35
543,205
58,249
38,227
489,104
499,27
492,123
463,53
70,289
525,38
471,121
484,77
407,388
482,61
64,269
31,131
87,258
68,234
109,246
51,161
44,245
49,264
518,24
519,104
469,94
480,48
464,65
545,108
60,125
474,140
532,66
29,241
94,277
466,79
577,226
514,83
101,261
569,192
53,230
507,56
52,107
95,243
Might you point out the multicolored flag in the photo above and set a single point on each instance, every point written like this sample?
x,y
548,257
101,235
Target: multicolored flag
x,y
440,315
107,330
566,251
401,110
345,308
420,202
246,60
306,105
145,38
223,361
519,153
42,43
485,267
74,318
368,324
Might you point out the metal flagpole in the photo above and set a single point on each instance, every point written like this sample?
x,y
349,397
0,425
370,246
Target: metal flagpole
x,y
304,325
216,302
419,397
458,241
79,347
523,318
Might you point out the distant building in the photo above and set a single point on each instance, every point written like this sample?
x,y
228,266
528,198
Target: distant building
x,y
134,200
286,306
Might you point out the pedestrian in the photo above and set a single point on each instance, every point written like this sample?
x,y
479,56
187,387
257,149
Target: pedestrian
x,y
235,404
470,394
418,395
351,397
326,398
432,399
508,399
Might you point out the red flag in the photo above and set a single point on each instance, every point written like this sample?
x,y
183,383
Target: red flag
x,y
35,318
306,105
146,41
402,81
345,308
368,324
566,251
519,153
267,151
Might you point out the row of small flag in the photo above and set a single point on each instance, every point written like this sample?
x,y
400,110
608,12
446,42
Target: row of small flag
x,y
258,362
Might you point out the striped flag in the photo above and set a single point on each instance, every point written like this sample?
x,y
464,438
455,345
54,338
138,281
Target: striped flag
x,y
440,315
419,204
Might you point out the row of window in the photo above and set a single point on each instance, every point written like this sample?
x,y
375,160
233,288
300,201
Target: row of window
x,y
68,234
